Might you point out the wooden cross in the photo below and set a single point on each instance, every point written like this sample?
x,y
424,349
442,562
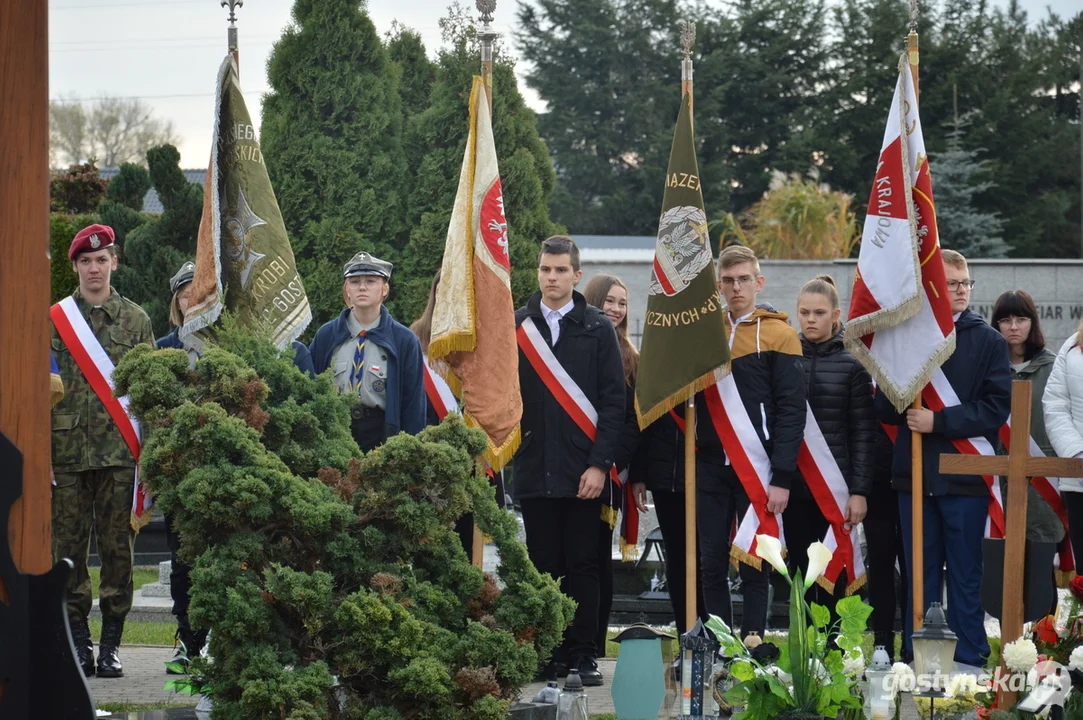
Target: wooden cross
x,y
1019,467
24,274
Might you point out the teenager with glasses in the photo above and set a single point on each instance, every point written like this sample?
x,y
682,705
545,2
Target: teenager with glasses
x,y
955,507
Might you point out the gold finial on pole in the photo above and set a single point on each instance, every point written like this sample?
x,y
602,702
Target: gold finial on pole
x,y
486,35
912,41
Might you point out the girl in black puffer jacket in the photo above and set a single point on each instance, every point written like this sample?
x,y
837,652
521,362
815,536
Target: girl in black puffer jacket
x,y
839,391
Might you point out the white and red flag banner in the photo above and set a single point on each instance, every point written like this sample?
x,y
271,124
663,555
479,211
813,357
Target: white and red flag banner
x,y
473,322
745,452
900,325
828,486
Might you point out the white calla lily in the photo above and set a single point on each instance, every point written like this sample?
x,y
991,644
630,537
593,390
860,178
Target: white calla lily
x,y
819,557
770,549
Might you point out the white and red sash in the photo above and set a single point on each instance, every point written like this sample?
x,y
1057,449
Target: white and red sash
x,y
746,454
1049,489
939,394
828,486
97,367
580,409
441,397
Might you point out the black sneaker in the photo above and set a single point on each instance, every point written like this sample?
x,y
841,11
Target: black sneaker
x,y
588,671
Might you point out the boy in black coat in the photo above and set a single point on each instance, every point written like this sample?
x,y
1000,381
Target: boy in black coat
x,y
560,472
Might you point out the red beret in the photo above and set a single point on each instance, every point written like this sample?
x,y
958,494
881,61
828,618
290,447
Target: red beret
x,y
91,239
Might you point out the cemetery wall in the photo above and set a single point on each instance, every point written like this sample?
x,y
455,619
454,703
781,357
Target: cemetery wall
x,y
1055,285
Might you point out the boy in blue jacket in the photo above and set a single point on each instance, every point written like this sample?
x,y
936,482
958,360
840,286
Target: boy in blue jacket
x,y
373,357
956,506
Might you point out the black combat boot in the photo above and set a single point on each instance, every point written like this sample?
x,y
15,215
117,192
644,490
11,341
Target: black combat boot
x,y
84,646
108,649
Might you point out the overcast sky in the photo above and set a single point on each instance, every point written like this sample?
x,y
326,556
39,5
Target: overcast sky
x,y
167,52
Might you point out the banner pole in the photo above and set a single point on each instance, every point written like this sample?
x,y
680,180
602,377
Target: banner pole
x,y
231,31
917,478
690,579
688,37
486,35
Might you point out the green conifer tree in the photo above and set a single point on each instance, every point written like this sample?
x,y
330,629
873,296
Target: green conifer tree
x,y
609,73
332,141
333,584
525,168
958,183
152,252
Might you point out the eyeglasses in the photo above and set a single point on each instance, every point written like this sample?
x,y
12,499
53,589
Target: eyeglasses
x,y
1013,321
954,285
744,280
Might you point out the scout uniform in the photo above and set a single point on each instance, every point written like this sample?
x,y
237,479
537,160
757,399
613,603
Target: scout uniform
x,y
378,362
94,469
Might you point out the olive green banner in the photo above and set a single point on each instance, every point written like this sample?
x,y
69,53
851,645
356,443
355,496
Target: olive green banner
x,y
244,261
683,348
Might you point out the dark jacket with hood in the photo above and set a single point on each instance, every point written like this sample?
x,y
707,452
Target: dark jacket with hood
x,y
1043,525
554,452
1037,371
766,362
839,391
406,401
662,452
979,372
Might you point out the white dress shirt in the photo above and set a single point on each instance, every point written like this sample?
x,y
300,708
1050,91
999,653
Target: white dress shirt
x,y
553,318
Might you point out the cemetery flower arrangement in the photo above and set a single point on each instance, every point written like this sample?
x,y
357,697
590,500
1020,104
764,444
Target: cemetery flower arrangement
x,y
333,583
1056,637
818,668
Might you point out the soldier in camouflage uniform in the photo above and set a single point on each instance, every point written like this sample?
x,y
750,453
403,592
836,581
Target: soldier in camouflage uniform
x,y
94,468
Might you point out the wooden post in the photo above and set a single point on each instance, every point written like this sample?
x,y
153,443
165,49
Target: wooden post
x,y
24,274
1015,516
1019,467
486,35
691,611
917,525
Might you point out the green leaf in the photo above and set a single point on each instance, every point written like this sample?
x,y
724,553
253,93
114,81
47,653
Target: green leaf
x,y
820,615
778,689
833,662
176,667
849,642
853,607
742,671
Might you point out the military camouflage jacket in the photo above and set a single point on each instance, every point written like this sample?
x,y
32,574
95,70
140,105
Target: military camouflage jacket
x,y
84,435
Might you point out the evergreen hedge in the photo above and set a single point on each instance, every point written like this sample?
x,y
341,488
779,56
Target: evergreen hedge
x,y
333,583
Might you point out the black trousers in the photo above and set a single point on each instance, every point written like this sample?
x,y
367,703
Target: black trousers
x,y
464,528
368,428
883,536
605,584
669,508
803,524
180,583
562,540
1073,503
719,500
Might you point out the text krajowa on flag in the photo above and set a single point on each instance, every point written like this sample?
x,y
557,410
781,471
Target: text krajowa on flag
x,y
900,324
